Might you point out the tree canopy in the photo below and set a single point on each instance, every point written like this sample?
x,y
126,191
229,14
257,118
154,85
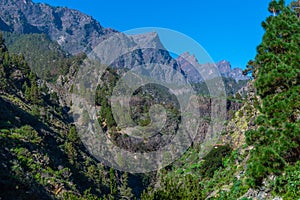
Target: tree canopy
x,y
276,70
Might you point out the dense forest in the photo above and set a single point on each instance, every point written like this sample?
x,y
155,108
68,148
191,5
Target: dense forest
x,y
257,155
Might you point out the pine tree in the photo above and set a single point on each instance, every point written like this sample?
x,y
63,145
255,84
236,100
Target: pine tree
x,y
2,45
125,190
3,64
275,7
27,92
295,5
276,70
32,91
112,184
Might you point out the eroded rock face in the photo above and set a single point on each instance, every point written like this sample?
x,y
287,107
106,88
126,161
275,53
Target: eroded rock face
x,y
188,62
226,70
74,31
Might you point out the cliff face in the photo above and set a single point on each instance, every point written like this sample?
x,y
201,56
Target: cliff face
x,y
188,63
227,71
74,31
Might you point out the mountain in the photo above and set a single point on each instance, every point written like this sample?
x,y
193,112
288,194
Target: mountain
x,y
74,31
188,63
129,51
148,40
41,154
46,58
227,71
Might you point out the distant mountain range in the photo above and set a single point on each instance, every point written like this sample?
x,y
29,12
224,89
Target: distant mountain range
x,y
188,63
76,32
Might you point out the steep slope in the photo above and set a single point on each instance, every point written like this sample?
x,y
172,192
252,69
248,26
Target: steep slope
x,y
46,58
77,33
258,154
73,30
41,154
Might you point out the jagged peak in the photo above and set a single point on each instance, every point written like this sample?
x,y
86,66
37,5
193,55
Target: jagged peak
x,y
75,31
223,62
148,40
26,2
187,56
187,60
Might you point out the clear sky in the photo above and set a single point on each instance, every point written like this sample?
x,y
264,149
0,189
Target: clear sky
x,y
229,30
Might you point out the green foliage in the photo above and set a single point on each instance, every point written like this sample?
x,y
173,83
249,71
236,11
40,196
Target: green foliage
x,y
40,52
187,188
41,155
32,92
287,184
73,136
103,93
214,160
2,45
54,98
264,160
125,190
295,6
112,184
186,179
231,86
87,196
13,69
276,70
47,159
46,58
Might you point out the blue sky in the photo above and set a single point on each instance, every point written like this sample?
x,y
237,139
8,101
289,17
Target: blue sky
x,y
228,30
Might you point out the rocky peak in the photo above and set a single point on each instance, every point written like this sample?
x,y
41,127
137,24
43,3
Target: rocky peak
x,y
74,31
224,66
227,71
188,63
148,40
187,57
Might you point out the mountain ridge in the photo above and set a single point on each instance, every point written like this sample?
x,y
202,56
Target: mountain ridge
x,y
77,32
74,31
189,62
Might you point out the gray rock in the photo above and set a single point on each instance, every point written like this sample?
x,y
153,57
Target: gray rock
x,y
74,31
